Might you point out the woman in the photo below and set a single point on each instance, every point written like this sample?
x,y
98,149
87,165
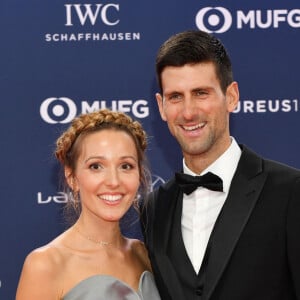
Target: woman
x,y
102,154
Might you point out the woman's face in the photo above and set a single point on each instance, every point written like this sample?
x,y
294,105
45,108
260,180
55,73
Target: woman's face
x,y
107,174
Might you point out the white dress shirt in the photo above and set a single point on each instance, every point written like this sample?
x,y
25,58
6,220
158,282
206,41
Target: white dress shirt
x,y
201,208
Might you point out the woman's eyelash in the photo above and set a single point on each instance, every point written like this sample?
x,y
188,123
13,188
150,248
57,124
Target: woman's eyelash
x,y
95,166
128,166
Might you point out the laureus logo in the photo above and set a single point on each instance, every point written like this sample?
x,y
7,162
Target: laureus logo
x,y
62,197
156,182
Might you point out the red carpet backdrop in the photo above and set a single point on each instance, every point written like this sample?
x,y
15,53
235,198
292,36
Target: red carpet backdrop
x,y
60,58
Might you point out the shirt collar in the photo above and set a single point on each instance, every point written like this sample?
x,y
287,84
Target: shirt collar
x,y
224,166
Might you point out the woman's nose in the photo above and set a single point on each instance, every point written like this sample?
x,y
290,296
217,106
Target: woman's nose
x,y
112,177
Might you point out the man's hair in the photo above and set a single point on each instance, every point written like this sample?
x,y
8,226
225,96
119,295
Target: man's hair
x,y
193,47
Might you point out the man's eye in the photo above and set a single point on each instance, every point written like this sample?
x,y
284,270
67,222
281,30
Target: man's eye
x,y
175,97
201,94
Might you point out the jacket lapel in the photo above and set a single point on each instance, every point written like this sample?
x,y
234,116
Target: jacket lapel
x,y
245,188
168,196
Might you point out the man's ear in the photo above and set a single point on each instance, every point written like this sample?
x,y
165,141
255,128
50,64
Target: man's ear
x,y
159,100
232,96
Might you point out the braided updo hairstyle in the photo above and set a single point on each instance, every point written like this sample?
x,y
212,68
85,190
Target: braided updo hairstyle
x,y
68,145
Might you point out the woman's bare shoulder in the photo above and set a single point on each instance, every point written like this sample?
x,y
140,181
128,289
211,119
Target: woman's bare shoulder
x,y
139,248
42,265
138,245
45,257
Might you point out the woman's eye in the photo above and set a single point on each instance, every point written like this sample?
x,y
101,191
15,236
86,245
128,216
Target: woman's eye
x,y
95,166
127,166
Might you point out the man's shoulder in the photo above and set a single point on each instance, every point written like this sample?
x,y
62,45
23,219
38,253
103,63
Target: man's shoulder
x,y
163,189
267,164
166,186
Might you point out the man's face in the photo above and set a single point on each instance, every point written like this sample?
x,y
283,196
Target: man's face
x,y
196,109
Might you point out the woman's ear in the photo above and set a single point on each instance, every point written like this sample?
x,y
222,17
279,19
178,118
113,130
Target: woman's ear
x,y
70,179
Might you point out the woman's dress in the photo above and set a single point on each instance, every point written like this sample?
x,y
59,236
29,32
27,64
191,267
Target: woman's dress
x,y
104,287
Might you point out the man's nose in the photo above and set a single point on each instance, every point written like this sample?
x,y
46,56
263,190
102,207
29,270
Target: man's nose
x,y
189,108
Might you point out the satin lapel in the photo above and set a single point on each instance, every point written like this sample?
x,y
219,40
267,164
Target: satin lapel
x,y
164,211
246,186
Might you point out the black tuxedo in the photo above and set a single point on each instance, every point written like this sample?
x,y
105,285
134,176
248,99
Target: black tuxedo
x,y
254,249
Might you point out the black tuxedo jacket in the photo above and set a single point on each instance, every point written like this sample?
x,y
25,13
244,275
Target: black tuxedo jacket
x,y
255,244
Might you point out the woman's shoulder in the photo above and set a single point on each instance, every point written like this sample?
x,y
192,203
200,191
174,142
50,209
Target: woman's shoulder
x,y
46,266
137,245
46,258
139,249
49,257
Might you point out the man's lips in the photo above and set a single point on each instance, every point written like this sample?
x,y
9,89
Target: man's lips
x,y
193,127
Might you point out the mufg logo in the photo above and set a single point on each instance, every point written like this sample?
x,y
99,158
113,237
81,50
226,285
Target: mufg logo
x,y
63,110
105,13
220,19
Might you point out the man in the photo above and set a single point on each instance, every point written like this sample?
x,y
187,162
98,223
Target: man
x,y
238,237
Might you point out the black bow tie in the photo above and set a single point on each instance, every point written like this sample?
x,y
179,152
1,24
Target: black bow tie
x,y
190,183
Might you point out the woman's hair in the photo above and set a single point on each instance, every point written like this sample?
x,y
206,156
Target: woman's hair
x,y
68,147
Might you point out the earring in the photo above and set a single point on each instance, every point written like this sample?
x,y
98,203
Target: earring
x,y
75,201
72,183
136,201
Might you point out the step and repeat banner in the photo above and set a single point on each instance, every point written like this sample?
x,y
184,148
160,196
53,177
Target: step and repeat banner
x,y
60,58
